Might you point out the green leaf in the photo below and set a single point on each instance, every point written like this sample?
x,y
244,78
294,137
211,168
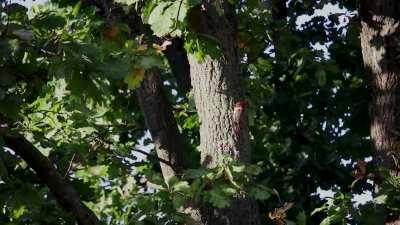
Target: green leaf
x,y
229,191
76,9
165,18
218,198
16,12
135,78
331,220
191,122
229,175
60,88
19,211
178,201
259,192
320,209
181,186
99,170
193,3
127,2
148,62
48,22
380,199
194,173
301,218
238,169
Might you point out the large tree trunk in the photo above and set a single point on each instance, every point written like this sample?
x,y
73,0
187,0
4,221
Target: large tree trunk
x,y
217,86
379,42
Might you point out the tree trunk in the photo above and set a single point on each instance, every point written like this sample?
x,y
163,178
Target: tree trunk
x,y
379,42
164,131
161,123
217,86
380,49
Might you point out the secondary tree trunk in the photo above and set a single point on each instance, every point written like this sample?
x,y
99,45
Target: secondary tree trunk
x,y
279,14
380,48
178,62
161,123
217,86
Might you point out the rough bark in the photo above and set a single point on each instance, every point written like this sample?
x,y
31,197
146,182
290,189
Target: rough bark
x,y
164,131
64,192
155,106
379,42
217,86
161,123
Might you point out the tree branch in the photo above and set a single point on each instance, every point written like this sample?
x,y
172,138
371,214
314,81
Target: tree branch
x,y
161,123
157,111
179,64
64,192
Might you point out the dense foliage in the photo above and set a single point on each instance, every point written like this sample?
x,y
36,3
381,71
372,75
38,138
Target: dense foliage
x,y
68,79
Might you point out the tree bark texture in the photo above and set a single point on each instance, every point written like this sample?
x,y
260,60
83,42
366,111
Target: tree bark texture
x,y
164,131
217,85
161,123
380,48
64,192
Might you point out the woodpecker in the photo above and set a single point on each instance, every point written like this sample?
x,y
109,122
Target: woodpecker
x,y
238,117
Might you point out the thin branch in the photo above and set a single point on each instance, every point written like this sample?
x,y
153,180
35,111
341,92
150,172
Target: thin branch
x,y
154,157
177,15
71,162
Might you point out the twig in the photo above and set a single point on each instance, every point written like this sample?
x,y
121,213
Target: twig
x,y
177,15
176,20
70,165
154,157
48,52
